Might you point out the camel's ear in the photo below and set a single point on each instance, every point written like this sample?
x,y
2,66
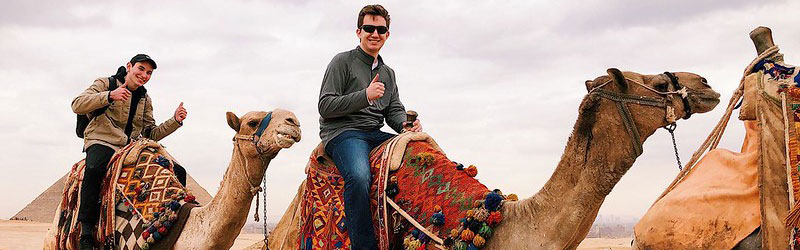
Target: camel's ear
x,y
589,85
618,78
233,121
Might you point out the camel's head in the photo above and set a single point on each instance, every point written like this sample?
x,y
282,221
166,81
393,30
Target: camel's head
x,y
652,101
282,131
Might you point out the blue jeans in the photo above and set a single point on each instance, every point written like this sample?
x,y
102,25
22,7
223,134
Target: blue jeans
x,y
350,152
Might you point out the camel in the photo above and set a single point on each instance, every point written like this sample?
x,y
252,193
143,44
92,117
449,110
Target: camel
x,y
217,224
599,152
772,197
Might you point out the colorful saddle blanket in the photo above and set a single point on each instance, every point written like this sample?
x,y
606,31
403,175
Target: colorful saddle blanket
x,y
145,209
439,194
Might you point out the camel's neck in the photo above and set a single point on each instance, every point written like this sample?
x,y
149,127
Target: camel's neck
x,y
597,155
227,213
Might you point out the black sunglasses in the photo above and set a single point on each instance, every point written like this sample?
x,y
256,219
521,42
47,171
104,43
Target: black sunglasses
x,y
371,28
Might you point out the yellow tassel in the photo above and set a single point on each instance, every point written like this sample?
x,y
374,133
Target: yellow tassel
x,y
512,197
478,241
467,235
793,217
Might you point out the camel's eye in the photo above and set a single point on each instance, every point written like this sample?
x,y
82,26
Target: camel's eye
x,y
662,87
252,123
704,81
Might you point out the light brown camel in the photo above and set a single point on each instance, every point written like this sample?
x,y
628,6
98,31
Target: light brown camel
x,y
216,225
772,186
599,151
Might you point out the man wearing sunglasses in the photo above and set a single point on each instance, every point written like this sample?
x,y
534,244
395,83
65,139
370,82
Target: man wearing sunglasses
x,y
358,93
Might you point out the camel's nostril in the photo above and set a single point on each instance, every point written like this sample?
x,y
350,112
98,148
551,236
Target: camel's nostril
x,y
292,121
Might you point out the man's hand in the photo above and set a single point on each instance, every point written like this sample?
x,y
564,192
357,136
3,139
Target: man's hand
x,y
415,127
120,94
375,89
180,113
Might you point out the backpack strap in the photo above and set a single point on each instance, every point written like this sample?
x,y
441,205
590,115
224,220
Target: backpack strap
x,y
112,85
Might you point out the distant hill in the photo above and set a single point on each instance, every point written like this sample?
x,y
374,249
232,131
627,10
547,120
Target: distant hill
x,y
43,208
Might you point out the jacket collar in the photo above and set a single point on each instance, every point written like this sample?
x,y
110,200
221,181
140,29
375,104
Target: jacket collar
x,y
140,91
366,58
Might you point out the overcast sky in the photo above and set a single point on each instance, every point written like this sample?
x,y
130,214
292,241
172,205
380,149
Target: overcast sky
x,y
496,83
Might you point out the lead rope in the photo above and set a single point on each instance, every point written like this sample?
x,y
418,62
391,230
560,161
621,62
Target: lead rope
x,y
671,128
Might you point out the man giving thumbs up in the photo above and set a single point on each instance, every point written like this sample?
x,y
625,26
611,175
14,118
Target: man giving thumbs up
x,y
127,113
358,92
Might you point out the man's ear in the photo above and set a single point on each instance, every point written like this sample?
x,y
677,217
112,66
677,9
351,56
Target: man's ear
x,y
233,121
618,78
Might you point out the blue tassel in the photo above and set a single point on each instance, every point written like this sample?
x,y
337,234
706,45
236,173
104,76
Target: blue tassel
x,y
174,205
437,219
492,201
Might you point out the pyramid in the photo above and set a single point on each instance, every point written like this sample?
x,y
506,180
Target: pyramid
x,y
43,208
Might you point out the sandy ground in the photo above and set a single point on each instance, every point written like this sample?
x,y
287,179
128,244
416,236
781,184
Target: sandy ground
x,y
30,235
605,244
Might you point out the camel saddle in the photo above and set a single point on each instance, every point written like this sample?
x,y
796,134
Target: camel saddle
x,y
145,208
412,179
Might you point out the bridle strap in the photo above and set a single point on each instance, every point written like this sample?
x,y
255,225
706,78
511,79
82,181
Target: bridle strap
x,y
263,124
621,100
677,85
628,98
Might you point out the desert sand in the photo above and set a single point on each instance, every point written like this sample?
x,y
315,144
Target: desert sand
x,y
30,235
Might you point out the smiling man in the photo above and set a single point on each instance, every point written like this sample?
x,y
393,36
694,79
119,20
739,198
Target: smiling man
x,y
128,115
358,93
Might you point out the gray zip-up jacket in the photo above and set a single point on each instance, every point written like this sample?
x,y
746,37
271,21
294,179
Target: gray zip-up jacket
x,y
343,101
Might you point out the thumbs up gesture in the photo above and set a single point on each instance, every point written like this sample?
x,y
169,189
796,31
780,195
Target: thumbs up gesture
x,y
375,89
180,113
120,94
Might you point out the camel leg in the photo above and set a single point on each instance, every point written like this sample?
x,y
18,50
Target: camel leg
x,y
751,242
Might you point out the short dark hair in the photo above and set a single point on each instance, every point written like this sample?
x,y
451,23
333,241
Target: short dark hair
x,y
375,10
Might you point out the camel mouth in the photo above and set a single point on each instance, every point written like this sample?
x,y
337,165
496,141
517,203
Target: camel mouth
x,y
702,102
285,138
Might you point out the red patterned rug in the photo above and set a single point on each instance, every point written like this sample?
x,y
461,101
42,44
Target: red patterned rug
x,y
441,195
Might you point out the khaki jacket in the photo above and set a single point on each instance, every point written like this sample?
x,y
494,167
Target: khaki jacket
x,y
109,128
